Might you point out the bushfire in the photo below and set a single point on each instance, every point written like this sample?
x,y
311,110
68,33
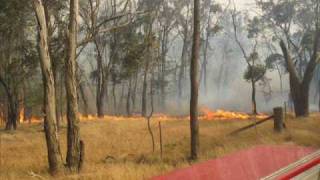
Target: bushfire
x,y
205,114
208,114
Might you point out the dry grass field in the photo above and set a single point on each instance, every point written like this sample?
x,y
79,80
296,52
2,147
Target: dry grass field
x,y
122,149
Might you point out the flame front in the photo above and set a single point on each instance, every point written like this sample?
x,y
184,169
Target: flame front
x,y
205,114
157,117
227,115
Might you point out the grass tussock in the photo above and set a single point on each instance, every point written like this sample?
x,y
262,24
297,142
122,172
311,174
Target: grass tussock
x,y
122,149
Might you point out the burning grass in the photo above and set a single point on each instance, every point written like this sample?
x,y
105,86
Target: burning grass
x,y
121,148
205,114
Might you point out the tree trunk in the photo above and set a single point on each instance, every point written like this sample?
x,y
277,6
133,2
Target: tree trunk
x,y
55,74
122,97
194,124
299,89
300,97
133,96
84,99
150,115
319,95
13,114
182,67
61,95
114,97
319,103
12,106
164,50
151,133
128,107
50,126
100,83
203,74
253,98
73,134
144,91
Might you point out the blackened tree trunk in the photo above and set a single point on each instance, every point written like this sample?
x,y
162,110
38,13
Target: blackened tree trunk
x,y
50,126
73,133
194,123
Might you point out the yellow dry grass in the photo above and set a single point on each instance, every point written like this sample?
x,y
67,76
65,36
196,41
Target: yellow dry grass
x,y
122,149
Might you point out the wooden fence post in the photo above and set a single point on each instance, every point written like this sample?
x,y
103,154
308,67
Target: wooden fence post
x,y
278,119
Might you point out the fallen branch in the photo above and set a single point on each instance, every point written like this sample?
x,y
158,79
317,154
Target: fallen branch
x,y
251,126
34,175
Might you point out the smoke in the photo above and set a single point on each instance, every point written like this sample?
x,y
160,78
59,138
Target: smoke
x,y
226,87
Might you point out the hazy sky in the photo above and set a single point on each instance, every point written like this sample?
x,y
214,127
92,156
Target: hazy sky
x,y
242,4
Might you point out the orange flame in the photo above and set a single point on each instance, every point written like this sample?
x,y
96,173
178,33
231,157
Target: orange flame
x,y
227,115
21,115
157,117
206,114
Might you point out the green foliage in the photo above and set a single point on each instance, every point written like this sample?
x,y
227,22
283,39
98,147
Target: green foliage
x,y
18,54
307,40
255,27
254,56
273,60
216,8
293,21
255,72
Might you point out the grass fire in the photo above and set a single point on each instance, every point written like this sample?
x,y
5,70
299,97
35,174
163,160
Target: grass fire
x,y
172,89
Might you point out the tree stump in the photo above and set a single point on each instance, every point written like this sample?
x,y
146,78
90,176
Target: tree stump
x,y
278,119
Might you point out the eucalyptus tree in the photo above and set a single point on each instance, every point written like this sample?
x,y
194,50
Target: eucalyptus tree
x,y
74,149
133,49
194,77
18,55
255,68
211,17
296,25
73,135
183,15
50,119
148,29
103,22
166,26
56,12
